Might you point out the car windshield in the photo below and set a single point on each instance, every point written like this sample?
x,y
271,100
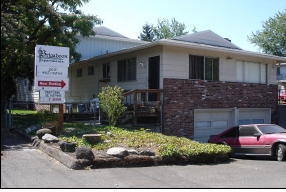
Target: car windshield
x,y
271,129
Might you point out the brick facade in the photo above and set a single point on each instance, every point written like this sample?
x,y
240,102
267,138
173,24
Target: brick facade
x,y
183,96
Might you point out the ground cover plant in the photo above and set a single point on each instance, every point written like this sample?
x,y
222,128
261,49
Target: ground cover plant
x,y
162,145
139,138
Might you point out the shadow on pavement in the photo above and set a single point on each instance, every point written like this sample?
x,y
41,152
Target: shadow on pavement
x,y
10,141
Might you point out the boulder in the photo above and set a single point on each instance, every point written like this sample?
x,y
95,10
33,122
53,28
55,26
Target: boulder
x,y
52,128
50,138
117,151
67,146
147,153
133,151
83,152
41,132
31,128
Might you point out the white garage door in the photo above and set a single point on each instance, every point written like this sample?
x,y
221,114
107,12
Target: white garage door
x,y
214,121
256,116
210,122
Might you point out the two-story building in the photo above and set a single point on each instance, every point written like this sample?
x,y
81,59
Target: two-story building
x,y
208,84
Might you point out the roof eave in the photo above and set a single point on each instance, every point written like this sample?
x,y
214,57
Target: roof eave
x,y
225,50
190,45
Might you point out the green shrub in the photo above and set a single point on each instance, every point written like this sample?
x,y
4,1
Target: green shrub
x,y
111,103
45,115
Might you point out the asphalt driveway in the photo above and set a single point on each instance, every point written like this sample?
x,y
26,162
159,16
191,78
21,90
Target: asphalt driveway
x,y
23,166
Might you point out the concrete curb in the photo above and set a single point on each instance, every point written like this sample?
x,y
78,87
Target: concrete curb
x,y
98,162
62,157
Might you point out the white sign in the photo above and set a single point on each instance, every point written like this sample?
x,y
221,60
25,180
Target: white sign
x,y
45,83
52,96
52,56
47,71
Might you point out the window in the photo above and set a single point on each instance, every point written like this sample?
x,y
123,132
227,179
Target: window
x,y
201,67
251,72
106,70
90,70
126,70
232,133
203,123
247,131
250,121
79,72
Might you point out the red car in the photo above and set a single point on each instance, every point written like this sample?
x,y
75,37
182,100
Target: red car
x,y
254,140
282,96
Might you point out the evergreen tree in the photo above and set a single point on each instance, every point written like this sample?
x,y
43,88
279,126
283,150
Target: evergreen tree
x,y
147,33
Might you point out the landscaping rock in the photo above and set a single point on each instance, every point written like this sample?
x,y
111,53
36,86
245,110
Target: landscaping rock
x,y
38,126
133,151
147,153
41,132
83,152
31,128
67,146
118,152
50,138
52,128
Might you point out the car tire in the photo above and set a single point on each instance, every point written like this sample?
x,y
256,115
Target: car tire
x,y
281,152
231,154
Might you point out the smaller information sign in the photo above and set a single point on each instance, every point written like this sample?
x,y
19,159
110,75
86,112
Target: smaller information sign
x,y
52,96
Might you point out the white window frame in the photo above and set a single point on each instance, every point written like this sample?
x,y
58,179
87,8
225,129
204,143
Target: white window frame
x,y
242,71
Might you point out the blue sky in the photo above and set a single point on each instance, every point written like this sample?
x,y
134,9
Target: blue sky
x,y
233,19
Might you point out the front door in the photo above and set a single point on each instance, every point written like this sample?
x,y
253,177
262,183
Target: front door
x,y
154,76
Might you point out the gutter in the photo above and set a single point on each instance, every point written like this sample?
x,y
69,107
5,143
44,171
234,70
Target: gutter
x,y
174,43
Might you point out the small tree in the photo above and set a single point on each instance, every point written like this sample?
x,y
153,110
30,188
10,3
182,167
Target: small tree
x,y
111,103
147,33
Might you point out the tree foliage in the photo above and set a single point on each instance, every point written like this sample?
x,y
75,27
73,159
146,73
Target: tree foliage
x,y
111,103
147,33
166,29
26,23
272,39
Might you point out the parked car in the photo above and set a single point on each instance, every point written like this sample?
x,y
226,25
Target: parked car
x,y
254,140
282,96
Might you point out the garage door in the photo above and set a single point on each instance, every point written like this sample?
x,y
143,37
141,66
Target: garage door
x,y
255,116
210,122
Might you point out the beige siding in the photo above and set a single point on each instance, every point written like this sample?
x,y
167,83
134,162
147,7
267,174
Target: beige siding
x,y
174,63
83,88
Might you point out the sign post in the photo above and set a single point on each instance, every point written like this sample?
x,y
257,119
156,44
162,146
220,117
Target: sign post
x,y
51,76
